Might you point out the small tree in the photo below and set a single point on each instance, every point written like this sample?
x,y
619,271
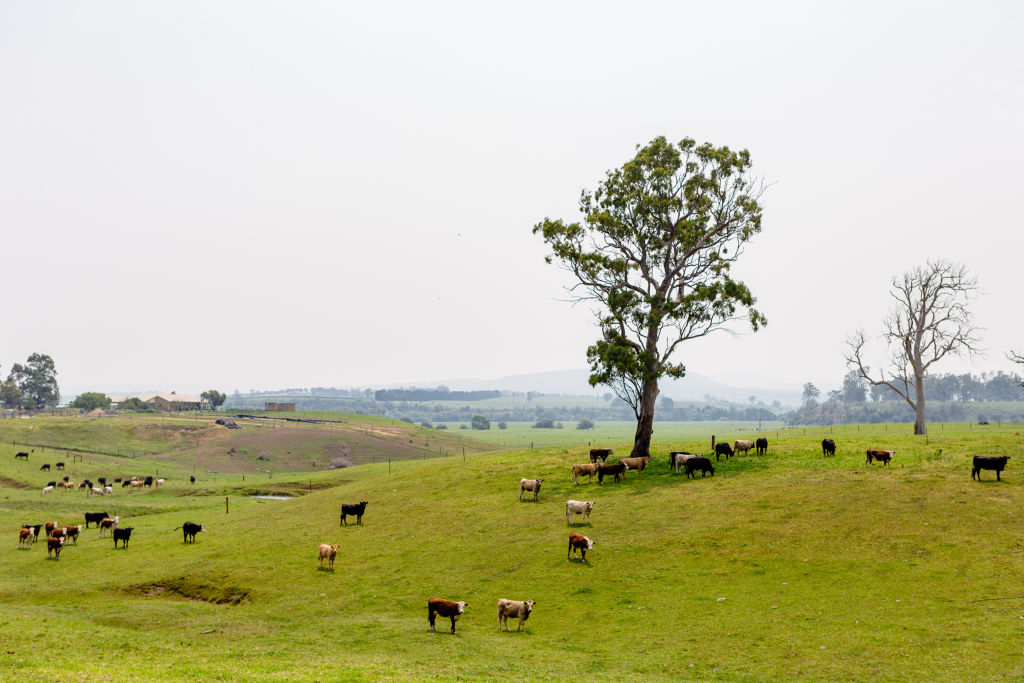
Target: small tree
x,y
654,253
929,321
91,400
214,398
36,380
584,424
502,425
854,389
810,395
480,422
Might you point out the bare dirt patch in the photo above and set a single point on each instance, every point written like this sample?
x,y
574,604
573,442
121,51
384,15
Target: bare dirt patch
x,y
184,588
12,484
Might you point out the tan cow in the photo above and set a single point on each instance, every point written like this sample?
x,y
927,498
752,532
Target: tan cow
x,y
741,445
588,468
637,464
530,485
328,552
578,507
516,609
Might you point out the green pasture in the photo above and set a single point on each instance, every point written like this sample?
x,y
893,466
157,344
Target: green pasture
x,y
784,566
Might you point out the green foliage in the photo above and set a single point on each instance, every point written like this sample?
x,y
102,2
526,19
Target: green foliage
x,y
36,380
427,425
502,425
855,390
91,400
584,424
214,397
135,405
810,394
480,422
10,394
544,424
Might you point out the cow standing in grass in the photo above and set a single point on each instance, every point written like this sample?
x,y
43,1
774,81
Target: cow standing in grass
x,y
530,485
516,609
445,608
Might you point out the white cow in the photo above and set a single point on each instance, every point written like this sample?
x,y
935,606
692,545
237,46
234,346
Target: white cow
x,y
107,490
48,489
159,482
96,491
514,609
678,458
530,485
578,507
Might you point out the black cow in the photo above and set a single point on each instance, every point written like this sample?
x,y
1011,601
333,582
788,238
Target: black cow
x,y
356,509
60,465
51,483
126,483
122,535
148,482
23,455
66,479
989,462
828,447
35,527
190,530
45,467
94,517
723,449
102,481
618,469
118,480
761,445
602,453
192,479
702,464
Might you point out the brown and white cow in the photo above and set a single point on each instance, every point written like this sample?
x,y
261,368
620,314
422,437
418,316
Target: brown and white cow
x,y
446,608
581,543
516,609
884,457
328,552
26,537
108,524
587,468
73,531
53,545
50,526
530,485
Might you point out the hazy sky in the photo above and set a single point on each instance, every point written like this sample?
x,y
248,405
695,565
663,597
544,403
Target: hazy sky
x,y
242,195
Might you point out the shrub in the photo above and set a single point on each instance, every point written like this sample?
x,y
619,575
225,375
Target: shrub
x,y
585,424
502,425
544,424
442,426
480,422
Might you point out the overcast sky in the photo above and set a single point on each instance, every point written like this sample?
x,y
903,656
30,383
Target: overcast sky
x,y
240,195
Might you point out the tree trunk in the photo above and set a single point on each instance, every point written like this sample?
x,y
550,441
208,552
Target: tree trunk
x,y
920,427
645,421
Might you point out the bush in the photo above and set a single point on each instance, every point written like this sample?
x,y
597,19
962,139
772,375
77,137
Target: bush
x,y
585,424
463,427
480,422
442,426
544,424
502,425
427,425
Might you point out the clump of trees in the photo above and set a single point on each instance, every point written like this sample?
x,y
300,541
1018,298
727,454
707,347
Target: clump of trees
x,y
31,385
214,398
91,400
584,424
480,422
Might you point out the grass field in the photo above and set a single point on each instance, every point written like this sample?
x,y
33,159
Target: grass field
x,y
783,566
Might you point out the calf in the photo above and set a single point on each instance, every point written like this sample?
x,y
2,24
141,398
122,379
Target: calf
x,y
45,468
107,491
126,483
26,537
581,543
58,533
192,479
159,483
514,609
445,608
190,529
761,446
354,509
637,464
742,446
23,455
618,469
677,459
828,447
601,453
73,531
50,526
589,469
328,552
884,457
96,517
108,524
530,485
989,462
122,535
53,545
723,449
702,464
578,507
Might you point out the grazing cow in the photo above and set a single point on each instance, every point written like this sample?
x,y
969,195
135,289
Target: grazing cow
x,y
677,459
97,517
122,535
618,469
50,526
884,457
73,531
60,465
108,524
446,608
26,537
581,543
190,529
588,468
67,485
96,491
761,446
107,491
53,545
102,481
828,447
23,455
515,609
327,552
742,446
51,483
702,464
46,489
530,485
578,507
126,482
989,462
354,509
723,449
159,483
192,479
45,468
148,482
601,453
135,484
637,464
86,484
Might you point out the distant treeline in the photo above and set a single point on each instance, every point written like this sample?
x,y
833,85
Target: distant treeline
x,y
836,412
438,394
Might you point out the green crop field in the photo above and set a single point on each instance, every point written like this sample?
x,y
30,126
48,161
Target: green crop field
x,y
784,566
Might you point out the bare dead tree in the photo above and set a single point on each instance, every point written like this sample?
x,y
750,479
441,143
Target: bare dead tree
x,y
929,321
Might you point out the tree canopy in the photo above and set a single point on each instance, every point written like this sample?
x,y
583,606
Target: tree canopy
x,y
91,400
654,253
214,397
36,381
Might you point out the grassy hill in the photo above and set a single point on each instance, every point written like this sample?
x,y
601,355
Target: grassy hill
x,y
784,566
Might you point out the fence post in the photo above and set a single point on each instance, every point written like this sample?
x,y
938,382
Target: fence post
x,y
225,505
